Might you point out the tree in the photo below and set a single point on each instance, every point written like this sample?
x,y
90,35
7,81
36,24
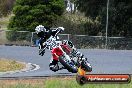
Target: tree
x,y
120,18
30,13
120,15
91,8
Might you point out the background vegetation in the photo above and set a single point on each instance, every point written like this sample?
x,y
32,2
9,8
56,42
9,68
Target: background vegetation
x,y
120,16
30,13
88,17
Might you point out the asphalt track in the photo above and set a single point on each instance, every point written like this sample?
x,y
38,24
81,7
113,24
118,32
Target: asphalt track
x,y
103,61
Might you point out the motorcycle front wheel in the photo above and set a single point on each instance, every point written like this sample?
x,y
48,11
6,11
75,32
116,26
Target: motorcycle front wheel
x,y
86,65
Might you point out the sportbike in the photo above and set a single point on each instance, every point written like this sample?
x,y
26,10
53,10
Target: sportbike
x,y
64,54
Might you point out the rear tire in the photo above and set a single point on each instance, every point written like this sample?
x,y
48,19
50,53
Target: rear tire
x,y
68,65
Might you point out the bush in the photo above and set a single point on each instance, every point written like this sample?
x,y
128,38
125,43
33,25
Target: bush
x,y
30,13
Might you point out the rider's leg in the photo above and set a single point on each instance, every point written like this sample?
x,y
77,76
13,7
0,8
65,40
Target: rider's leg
x,y
54,65
41,52
40,43
54,61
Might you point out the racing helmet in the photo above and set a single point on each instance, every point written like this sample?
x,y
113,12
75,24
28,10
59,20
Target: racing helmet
x,y
40,28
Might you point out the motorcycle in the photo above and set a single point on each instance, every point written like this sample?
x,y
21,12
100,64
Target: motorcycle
x,y
63,54
71,61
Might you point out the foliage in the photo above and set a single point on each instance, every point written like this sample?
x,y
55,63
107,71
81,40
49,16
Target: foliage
x,y
78,24
120,22
93,7
120,16
31,13
71,22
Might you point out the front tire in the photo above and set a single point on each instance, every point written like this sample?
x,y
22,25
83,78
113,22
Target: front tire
x,y
69,65
86,65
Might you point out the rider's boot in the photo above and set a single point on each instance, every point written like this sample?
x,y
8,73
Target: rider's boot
x,y
54,65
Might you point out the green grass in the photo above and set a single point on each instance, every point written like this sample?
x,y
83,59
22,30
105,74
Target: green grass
x,y
58,83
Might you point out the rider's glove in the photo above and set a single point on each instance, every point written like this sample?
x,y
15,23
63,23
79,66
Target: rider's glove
x,y
60,29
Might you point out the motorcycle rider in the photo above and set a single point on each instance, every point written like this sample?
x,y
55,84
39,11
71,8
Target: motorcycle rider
x,y
44,33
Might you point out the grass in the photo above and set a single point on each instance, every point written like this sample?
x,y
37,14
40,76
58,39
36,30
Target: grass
x,y
60,83
10,65
55,83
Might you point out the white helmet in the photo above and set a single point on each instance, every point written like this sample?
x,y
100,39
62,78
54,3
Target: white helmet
x,y
39,29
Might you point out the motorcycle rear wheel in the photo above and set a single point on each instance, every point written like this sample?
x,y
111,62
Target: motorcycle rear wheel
x,y
69,65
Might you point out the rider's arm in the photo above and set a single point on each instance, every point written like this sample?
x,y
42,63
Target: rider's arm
x,y
40,34
42,47
54,32
57,31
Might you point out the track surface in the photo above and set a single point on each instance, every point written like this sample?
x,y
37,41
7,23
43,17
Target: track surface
x,y
102,61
